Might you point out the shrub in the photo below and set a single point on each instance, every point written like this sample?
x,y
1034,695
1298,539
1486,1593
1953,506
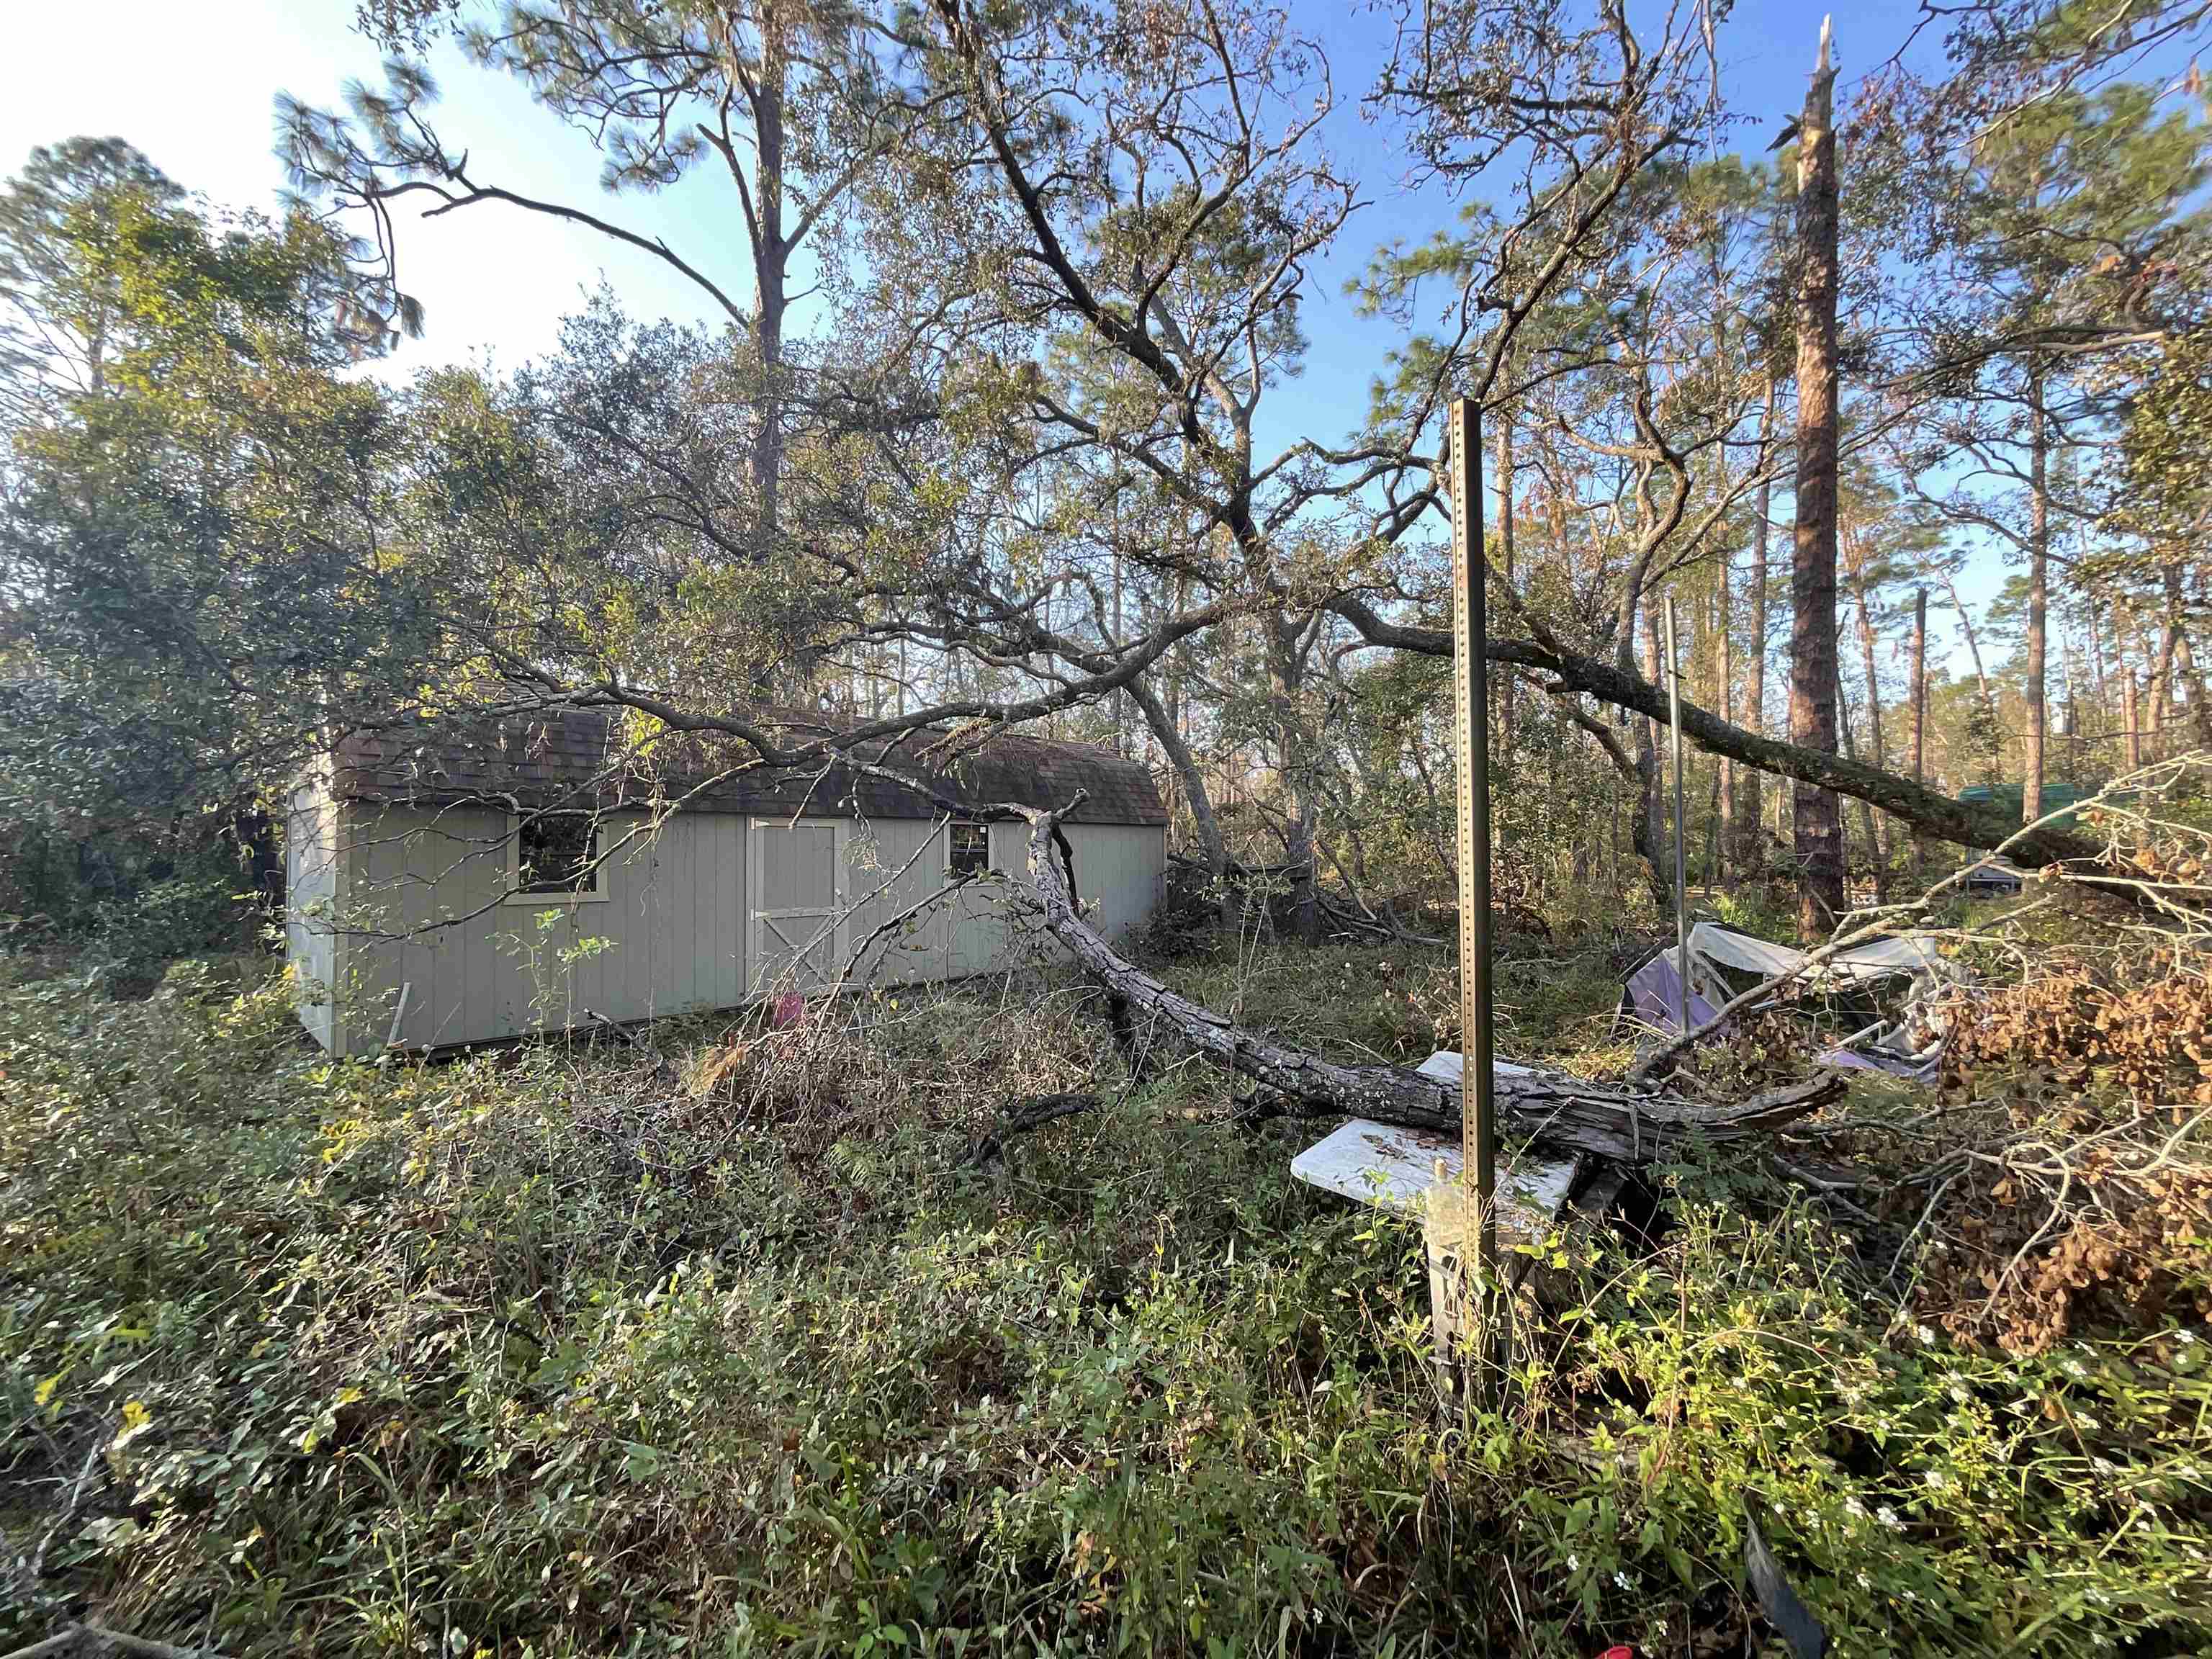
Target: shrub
x,y
535,1352
183,915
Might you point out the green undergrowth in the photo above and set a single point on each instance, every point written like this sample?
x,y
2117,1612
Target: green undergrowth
x,y
1400,1003
515,1354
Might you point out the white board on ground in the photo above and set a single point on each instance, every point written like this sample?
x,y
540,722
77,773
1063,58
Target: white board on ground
x,y
1393,1168
1446,1066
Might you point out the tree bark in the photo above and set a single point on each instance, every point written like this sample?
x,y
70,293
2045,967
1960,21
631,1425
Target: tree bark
x,y
2035,724
1964,822
1818,818
1721,846
1643,831
2130,715
1295,751
2101,689
1714,838
2158,682
1920,716
1612,1121
2200,707
1725,834
1867,820
770,253
1193,779
1752,856
1877,829
2176,607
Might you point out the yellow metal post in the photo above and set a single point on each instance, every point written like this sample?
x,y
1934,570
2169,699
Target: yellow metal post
x,y
1470,731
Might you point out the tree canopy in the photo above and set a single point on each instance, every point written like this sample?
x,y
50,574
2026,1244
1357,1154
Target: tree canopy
x,y
1031,446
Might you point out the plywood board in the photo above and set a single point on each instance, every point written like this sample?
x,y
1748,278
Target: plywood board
x,y
1393,1168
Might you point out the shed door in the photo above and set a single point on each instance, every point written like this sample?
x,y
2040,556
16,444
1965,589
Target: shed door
x,y
976,935
796,876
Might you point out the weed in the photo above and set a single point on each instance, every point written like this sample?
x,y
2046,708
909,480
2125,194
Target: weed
x,y
536,1351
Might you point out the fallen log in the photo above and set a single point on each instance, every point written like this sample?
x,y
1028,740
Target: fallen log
x,y
1024,1115
1921,806
1627,1124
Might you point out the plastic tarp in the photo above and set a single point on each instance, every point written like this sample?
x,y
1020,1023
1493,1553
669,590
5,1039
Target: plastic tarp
x,y
1884,958
1909,1046
1651,993
1920,1071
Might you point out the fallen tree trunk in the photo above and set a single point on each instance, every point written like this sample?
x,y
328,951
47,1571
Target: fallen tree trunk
x,y
1629,1125
1928,810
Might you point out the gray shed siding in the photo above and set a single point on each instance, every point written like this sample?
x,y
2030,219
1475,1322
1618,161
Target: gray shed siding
x,y
667,939
893,864
1120,869
312,868
423,890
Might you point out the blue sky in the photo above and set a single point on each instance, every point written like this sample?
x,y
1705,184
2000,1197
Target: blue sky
x,y
193,85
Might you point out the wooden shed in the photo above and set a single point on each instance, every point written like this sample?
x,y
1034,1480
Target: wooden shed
x,y
539,873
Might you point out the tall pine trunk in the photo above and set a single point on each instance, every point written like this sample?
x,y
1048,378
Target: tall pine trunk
x,y
2130,714
1643,830
1920,716
1867,830
2035,726
1751,855
1725,832
2101,687
770,253
1818,816
2161,688
1722,847
1878,832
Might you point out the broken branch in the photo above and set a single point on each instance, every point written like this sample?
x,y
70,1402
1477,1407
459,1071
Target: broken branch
x,y
1627,1124
1024,1115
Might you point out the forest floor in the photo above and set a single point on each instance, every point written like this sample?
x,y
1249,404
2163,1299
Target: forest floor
x,y
551,1350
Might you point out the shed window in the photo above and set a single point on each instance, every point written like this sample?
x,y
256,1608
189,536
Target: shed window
x,y
969,853
557,855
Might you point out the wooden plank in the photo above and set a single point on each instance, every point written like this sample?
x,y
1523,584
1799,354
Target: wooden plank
x,y
1393,1168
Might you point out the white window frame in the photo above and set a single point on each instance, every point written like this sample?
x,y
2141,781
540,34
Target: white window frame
x,y
596,893
990,847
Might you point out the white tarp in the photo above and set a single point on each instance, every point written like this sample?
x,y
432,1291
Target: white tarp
x,y
1908,1045
1882,959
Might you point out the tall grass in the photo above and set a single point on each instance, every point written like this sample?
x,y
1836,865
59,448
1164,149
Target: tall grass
x,y
533,1351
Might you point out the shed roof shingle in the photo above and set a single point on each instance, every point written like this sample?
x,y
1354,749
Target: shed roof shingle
x,y
582,758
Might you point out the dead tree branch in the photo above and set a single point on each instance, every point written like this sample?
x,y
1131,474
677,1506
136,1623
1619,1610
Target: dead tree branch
x,y
1024,1115
1629,1125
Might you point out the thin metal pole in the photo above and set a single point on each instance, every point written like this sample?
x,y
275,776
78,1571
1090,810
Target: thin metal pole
x,y
1682,869
1471,690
